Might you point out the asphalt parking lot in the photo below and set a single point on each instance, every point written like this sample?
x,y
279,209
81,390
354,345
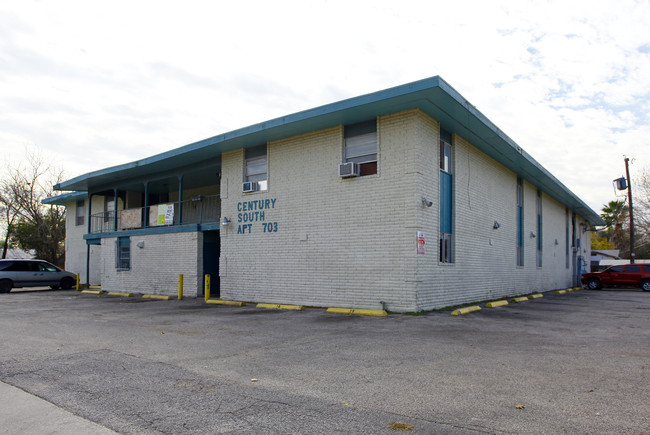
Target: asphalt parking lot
x,y
572,363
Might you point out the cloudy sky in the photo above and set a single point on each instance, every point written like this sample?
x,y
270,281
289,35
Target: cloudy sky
x,y
99,83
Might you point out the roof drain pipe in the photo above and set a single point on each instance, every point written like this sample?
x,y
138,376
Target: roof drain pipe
x,y
383,305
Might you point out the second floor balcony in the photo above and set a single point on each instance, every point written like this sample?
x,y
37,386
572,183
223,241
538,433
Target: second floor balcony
x,y
198,210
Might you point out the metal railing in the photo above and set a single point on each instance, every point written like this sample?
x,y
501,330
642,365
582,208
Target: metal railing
x,y
198,210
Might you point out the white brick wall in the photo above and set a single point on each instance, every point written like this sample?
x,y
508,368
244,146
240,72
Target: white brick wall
x,y
75,245
352,242
155,267
360,233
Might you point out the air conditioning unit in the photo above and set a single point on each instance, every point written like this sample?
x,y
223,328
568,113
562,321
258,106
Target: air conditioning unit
x,y
250,186
349,169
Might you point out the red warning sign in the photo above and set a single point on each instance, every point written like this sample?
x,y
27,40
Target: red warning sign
x,y
421,242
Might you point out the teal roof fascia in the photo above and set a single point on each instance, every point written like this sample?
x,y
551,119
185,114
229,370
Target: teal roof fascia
x,y
65,198
433,96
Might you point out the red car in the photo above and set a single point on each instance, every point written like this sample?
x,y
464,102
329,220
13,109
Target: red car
x,y
627,275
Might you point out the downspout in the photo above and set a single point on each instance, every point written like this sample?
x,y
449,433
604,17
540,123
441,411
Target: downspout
x,y
114,209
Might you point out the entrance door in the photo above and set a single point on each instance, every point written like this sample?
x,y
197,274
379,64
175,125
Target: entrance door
x,y
211,252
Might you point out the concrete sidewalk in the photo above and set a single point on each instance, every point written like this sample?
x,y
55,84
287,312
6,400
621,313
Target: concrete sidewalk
x,y
22,412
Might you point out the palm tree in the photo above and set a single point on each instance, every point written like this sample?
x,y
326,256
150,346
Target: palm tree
x,y
615,215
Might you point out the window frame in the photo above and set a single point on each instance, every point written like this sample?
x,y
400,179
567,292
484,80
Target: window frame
x,y
520,221
123,246
80,212
446,240
252,156
361,135
540,245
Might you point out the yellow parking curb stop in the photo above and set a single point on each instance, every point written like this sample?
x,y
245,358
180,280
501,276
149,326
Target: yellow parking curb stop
x,y
360,312
560,292
535,296
519,299
222,302
494,304
93,292
281,307
465,310
159,297
129,295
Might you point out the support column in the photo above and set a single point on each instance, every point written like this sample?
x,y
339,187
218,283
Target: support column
x,y
180,200
114,209
145,211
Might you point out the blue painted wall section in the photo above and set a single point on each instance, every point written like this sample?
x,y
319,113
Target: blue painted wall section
x,y
252,213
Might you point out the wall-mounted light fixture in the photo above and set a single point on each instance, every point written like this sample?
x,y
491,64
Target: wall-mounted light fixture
x,y
140,244
532,235
426,202
496,225
556,242
225,221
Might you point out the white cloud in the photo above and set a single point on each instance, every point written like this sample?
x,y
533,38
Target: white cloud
x,y
124,80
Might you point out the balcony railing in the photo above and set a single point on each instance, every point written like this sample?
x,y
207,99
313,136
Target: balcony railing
x,y
198,210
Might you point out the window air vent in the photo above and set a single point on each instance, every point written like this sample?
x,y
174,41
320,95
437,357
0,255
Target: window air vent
x,y
250,186
349,169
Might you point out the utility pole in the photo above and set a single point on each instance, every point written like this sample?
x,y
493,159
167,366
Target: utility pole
x,y
629,193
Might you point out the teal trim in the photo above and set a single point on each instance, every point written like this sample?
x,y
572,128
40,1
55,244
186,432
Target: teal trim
x,y
187,228
433,96
446,204
65,198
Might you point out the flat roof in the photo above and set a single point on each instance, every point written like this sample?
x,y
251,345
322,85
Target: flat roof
x,y
433,96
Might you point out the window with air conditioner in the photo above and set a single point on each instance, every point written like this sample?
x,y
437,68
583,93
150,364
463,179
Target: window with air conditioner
x,y
360,142
255,171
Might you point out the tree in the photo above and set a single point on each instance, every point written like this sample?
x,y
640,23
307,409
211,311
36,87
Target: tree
x,y
9,215
28,223
616,217
642,214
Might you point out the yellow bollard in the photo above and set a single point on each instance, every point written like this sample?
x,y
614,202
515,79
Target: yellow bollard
x,y
180,287
77,288
207,287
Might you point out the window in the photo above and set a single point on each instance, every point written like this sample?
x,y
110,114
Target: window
x,y
256,166
109,208
361,146
520,222
47,267
446,198
23,266
80,212
539,228
566,218
632,269
123,253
